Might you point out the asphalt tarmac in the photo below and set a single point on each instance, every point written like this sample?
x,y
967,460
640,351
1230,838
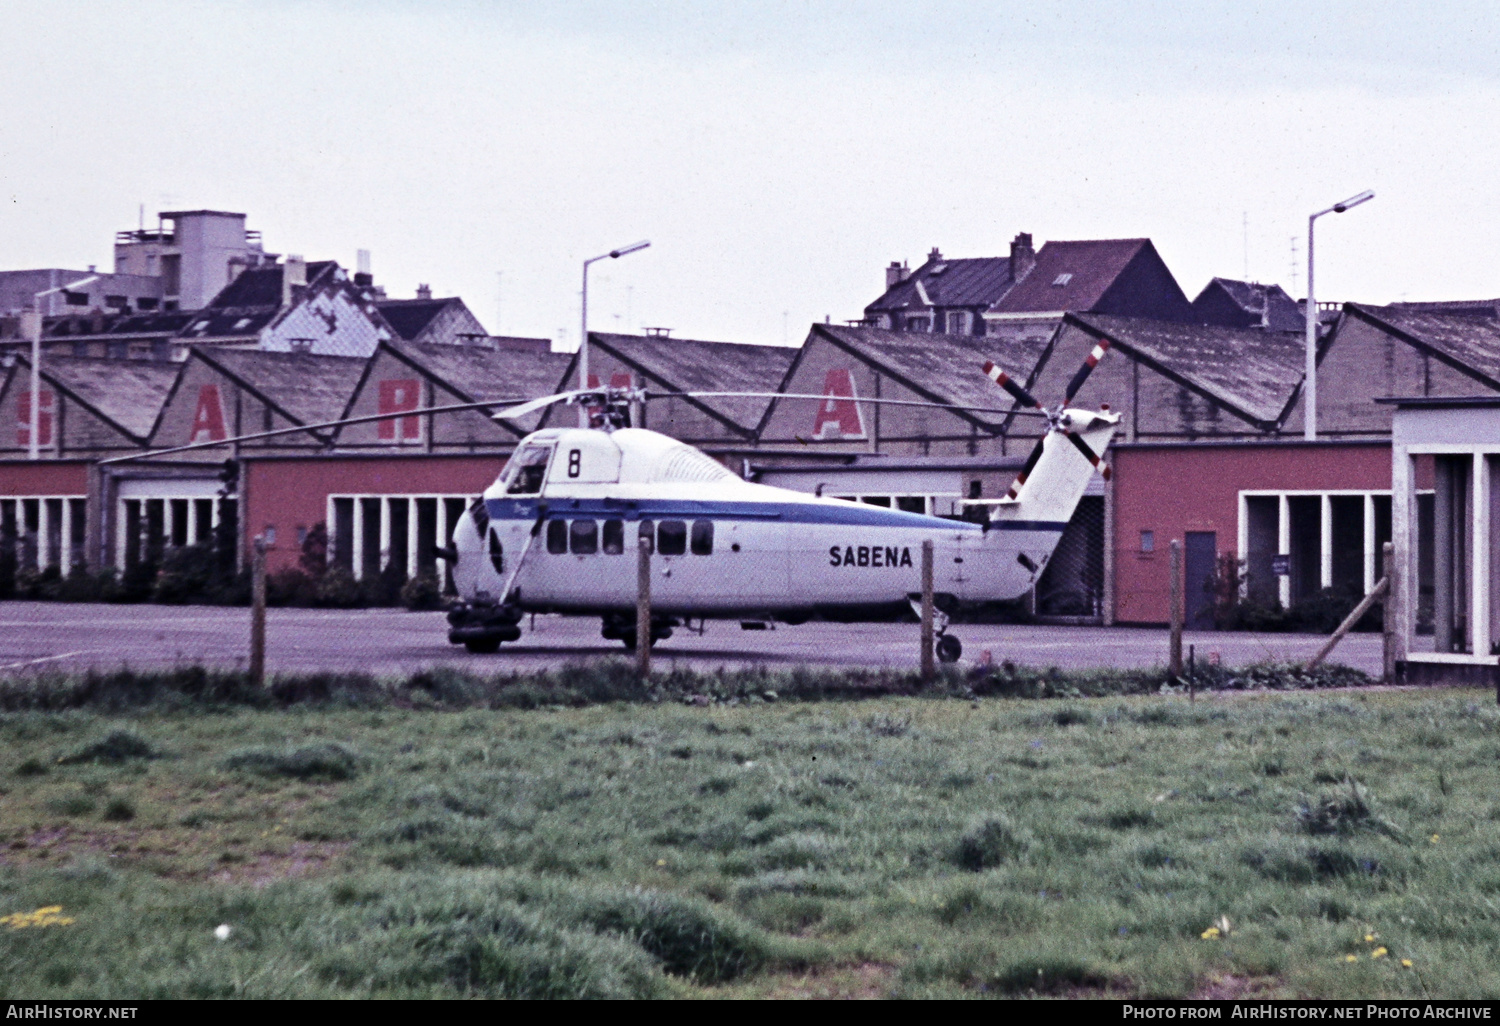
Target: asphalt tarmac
x,y
58,636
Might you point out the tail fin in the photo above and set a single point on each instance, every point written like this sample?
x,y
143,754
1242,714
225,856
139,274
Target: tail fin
x,y
1052,489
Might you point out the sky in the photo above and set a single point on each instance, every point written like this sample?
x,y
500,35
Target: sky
x,y
777,154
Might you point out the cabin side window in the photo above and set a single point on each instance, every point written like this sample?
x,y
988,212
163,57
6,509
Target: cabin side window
x,y
527,470
671,538
703,537
614,537
557,537
583,537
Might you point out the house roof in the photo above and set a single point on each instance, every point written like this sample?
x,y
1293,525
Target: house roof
x,y
1283,313
1250,370
1467,337
948,368
969,282
261,286
117,325
129,393
309,388
1090,267
691,365
410,317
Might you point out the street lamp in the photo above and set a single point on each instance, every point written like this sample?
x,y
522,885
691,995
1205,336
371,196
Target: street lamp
x,y
1310,392
583,344
33,326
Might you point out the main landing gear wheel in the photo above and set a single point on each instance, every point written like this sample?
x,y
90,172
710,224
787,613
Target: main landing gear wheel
x,y
488,646
628,637
949,649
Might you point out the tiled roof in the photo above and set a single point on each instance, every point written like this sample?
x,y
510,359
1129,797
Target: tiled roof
x,y
409,317
969,282
949,368
1090,267
1250,370
312,389
690,365
1282,311
261,286
1470,337
481,372
128,392
116,325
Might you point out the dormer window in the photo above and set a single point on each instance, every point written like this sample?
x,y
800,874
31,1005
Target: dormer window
x,y
1062,279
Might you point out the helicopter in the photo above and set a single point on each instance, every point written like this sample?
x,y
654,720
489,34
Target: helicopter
x,y
557,530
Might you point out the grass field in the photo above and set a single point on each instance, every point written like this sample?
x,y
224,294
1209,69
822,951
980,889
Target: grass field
x,y
1293,844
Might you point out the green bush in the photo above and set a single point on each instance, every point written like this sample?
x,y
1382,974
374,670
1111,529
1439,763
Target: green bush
x,y
422,592
116,747
338,589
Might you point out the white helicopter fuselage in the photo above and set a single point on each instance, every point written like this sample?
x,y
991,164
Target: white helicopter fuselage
x,y
558,532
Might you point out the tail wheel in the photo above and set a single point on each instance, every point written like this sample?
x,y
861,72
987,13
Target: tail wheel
x,y
949,649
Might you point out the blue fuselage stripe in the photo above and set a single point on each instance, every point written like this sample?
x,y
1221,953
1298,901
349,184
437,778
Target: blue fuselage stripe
x,y
781,512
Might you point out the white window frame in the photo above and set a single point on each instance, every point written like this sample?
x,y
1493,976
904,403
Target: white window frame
x,y
1325,518
191,492
387,500
45,557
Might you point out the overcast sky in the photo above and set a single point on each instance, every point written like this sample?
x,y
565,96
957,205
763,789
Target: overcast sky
x,y
777,154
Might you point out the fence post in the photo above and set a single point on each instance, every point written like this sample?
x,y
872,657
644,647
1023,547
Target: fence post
x,y
928,669
643,607
1174,651
1388,616
258,612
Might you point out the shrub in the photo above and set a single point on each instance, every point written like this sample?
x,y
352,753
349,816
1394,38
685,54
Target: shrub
x,y
290,587
990,842
338,588
119,810
422,592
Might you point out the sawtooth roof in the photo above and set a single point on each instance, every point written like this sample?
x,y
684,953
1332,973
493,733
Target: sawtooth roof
x,y
481,372
1469,336
692,365
128,392
309,388
949,368
1092,267
1250,370
970,282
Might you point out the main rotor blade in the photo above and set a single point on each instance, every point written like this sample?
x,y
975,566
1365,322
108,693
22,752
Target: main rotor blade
x,y
1036,454
845,398
541,404
1003,379
1089,454
1087,369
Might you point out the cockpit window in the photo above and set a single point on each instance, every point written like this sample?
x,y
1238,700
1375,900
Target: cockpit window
x,y
527,470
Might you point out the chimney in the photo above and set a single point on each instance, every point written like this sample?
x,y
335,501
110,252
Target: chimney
x,y
362,276
896,273
935,254
293,275
424,291
1022,256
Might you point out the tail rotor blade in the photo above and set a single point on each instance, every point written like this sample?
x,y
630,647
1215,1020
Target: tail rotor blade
x,y
1089,454
1003,379
1036,454
1087,369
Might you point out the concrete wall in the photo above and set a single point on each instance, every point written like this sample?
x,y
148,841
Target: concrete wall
x,y
243,413
1170,490
78,430
465,431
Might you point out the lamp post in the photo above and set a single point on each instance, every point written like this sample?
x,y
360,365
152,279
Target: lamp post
x,y
1310,391
583,338
33,326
